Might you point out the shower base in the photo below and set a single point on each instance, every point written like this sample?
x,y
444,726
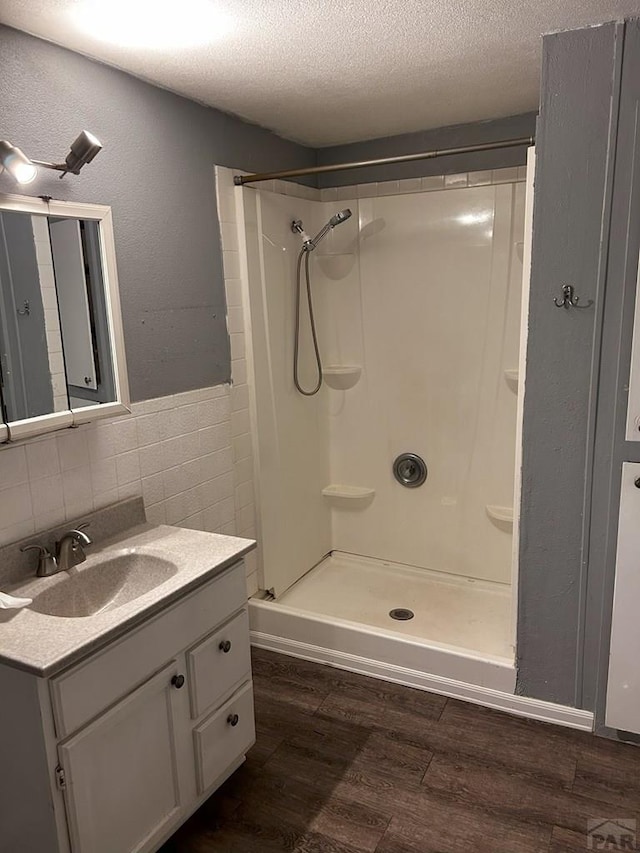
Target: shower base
x,y
338,613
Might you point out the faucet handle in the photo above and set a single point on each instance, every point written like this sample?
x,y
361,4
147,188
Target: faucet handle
x,y
47,564
35,547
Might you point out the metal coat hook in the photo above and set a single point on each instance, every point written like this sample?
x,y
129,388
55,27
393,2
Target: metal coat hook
x,y
569,299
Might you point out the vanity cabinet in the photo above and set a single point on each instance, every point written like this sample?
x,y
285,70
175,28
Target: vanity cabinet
x,y
138,734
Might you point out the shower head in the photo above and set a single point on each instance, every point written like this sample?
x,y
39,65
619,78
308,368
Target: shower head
x,y
336,219
340,217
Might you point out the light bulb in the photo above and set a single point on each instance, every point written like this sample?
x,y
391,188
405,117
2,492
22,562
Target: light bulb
x,y
152,23
24,173
17,163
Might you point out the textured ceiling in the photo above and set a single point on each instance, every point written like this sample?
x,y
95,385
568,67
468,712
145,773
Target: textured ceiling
x,y
324,72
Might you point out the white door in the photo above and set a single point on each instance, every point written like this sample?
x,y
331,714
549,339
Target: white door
x,y
73,302
633,410
623,689
121,772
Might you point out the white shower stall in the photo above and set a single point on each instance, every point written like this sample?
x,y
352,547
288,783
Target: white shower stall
x,y
418,299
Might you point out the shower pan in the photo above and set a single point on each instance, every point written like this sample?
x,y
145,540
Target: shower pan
x,y
386,489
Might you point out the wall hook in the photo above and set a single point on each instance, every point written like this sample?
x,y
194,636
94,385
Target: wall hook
x,y
25,310
569,299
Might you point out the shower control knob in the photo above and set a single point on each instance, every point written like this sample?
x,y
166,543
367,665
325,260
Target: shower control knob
x,y
178,681
225,646
410,470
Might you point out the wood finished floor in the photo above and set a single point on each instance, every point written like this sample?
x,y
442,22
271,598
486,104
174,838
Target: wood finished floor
x,y
348,764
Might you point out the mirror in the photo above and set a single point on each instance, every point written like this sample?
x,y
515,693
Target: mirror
x,y
61,350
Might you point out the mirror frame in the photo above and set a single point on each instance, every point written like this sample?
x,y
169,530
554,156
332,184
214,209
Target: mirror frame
x,y
16,430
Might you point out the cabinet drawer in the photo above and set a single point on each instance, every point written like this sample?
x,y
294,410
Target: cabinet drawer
x,y
219,664
83,692
224,736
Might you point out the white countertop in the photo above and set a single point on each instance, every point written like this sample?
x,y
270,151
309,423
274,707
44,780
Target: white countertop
x,y
43,644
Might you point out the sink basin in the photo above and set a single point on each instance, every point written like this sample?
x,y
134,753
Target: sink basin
x,y
86,591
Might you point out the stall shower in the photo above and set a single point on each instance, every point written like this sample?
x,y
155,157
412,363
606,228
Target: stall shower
x,y
385,500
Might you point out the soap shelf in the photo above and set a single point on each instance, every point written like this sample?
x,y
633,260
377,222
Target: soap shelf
x,y
341,376
513,378
352,494
502,514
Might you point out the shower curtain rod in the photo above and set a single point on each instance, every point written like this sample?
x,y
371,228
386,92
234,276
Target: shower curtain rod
x,y
239,180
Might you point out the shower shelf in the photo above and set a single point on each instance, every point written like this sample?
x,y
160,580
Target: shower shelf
x,y
512,377
503,514
341,376
350,493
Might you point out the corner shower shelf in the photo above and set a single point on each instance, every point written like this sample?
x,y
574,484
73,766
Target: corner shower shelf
x,y
353,494
502,514
341,376
513,378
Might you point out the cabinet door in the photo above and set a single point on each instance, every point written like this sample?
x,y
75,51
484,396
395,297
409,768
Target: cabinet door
x,y
121,772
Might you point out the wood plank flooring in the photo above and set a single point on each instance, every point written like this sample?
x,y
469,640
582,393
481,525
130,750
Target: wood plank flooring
x,y
348,764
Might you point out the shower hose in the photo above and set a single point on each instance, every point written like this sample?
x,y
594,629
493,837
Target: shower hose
x,y
296,345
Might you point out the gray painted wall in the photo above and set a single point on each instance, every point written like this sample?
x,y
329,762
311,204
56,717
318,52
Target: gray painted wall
x,y
156,173
611,449
444,137
574,176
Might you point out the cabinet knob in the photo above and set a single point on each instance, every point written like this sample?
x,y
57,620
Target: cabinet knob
x,y
233,719
178,681
636,483
225,646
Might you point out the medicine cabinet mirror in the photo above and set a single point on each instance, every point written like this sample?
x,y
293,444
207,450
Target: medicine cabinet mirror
x,y
62,360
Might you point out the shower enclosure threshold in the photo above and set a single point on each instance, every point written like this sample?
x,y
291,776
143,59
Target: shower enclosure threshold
x,y
339,613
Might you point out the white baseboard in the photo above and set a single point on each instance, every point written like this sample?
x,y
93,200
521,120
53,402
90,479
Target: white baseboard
x,y
521,706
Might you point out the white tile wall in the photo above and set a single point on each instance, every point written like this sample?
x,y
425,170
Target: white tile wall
x,y
177,452
417,185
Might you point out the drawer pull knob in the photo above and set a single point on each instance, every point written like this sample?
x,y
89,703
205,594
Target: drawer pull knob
x,y
225,646
178,681
636,483
233,719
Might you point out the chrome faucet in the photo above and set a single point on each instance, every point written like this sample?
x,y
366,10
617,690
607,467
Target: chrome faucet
x,y
70,549
69,553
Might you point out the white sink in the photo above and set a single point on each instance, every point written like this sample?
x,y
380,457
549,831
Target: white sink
x,y
103,585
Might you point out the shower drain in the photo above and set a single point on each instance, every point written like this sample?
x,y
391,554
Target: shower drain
x,y
402,614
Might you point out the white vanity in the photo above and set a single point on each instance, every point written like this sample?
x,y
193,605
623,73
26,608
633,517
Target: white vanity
x,y
126,695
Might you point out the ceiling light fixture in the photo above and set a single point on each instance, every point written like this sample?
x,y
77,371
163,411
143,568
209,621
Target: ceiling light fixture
x,y
152,23
82,151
